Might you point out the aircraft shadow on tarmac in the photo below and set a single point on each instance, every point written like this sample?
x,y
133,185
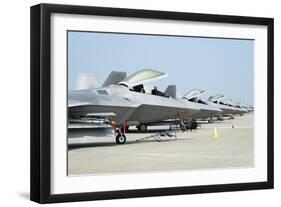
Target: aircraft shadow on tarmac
x,y
152,131
90,133
109,144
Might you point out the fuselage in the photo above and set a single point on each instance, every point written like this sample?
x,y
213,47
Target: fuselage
x,y
206,110
228,110
129,105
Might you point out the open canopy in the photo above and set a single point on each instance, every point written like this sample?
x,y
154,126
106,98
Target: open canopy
x,y
143,76
194,94
231,102
216,97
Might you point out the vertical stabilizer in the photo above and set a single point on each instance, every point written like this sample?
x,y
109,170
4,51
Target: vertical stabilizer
x,y
85,81
171,91
114,78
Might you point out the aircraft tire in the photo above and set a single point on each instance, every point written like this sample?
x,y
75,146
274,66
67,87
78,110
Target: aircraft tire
x,y
211,120
120,138
188,125
143,128
194,125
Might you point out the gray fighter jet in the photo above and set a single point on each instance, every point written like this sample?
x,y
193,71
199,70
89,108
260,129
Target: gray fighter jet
x,y
207,110
127,103
227,108
240,109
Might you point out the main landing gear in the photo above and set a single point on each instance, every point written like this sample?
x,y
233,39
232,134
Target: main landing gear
x,y
190,124
211,120
142,127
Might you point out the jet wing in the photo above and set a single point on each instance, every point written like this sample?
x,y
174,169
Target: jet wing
x,y
73,103
88,103
156,112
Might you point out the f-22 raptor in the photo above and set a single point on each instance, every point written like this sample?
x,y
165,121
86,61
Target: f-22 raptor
x,y
124,102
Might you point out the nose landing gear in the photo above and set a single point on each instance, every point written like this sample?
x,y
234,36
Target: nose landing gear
x,y
120,138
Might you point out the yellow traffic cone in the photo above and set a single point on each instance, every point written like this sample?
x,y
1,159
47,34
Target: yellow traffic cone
x,y
216,136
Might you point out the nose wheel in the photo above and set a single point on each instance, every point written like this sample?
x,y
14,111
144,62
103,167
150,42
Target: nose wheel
x,y
120,138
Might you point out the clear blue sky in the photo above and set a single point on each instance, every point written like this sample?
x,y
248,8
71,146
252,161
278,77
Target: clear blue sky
x,y
215,65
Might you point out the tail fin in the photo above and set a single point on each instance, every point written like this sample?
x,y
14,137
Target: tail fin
x,y
114,78
171,91
85,81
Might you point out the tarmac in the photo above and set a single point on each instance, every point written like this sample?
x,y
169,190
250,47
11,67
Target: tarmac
x,y
231,146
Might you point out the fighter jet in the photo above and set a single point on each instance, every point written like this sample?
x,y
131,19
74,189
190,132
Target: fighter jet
x,y
227,108
240,109
127,103
207,110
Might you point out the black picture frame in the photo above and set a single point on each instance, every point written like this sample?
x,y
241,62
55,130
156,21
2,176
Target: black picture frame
x,y
40,184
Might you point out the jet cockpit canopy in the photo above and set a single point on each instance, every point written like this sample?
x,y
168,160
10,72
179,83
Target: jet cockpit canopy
x,y
194,95
142,76
215,98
